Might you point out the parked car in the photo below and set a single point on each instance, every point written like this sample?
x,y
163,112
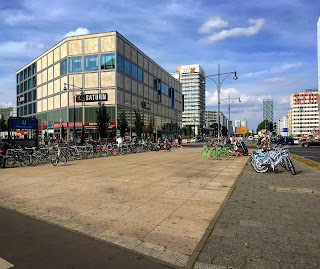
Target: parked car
x,y
194,140
199,138
296,141
311,143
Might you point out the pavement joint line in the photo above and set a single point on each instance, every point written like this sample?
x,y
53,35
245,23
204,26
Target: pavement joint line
x,y
208,231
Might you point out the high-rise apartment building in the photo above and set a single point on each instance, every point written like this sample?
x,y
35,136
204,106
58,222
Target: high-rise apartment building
x,y
8,112
268,110
103,68
192,78
304,115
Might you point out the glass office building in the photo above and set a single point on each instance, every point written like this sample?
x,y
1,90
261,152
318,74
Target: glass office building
x,y
268,110
102,64
192,78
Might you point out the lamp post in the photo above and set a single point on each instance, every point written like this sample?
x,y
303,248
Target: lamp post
x,y
218,84
229,107
194,121
74,91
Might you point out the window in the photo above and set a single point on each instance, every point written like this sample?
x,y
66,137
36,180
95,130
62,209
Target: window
x,y
34,97
25,112
29,84
63,67
107,61
25,73
18,89
34,106
134,71
18,78
120,63
75,64
29,71
29,97
90,63
21,76
34,68
140,74
30,108
34,81
127,67
25,86
155,83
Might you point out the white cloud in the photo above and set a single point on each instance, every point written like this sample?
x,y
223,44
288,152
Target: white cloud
x,y
79,31
275,80
9,104
252,30
14,49
211,23
277,69
13,17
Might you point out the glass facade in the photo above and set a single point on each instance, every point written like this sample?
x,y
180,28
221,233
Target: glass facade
x,y
63,67
75,64
120,65
134,71
107,61
91,63
127,67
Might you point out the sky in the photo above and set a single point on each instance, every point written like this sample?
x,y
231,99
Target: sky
x,y
271,44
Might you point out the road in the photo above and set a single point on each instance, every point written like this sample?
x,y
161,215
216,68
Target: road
x,y
29,243
312,153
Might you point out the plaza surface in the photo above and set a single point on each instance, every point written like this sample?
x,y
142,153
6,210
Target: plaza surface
x,y
159,204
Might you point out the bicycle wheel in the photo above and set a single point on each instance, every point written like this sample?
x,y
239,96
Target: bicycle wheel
x,y
10,161
292,169
54,159
63,159
259,168
238,153
223,154
206,153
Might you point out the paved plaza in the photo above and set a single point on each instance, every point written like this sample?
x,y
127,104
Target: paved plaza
x,y
159,204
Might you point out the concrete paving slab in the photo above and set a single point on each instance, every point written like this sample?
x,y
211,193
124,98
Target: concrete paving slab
x,y
157,203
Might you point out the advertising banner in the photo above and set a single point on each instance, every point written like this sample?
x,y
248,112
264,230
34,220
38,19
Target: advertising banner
x,y
240,130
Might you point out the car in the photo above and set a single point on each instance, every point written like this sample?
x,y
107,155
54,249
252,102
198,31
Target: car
x,y
194,140
311,143
250,138
285,141
199,138
296,141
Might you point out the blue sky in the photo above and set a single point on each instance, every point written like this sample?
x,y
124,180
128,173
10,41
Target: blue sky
x,y
271,44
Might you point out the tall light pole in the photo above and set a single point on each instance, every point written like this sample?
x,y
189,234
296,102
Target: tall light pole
x,y
218,84
229,107
74,93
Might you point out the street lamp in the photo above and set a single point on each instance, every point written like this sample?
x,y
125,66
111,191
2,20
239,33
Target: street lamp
x,y
229,107
74,92
218,84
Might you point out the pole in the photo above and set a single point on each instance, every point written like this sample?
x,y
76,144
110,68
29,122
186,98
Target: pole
x,y
218,90
229,117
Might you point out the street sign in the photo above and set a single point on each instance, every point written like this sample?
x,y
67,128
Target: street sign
x,y
240,130
20,123
92,97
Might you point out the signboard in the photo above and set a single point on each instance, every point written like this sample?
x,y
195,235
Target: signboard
x,y
240,130
92,97
17,123
284,129
21,99
305,98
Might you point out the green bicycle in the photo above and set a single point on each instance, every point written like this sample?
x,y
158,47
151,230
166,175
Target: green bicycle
x,y
222,153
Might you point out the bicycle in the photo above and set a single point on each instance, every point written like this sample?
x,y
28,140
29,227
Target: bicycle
x,y
58,157
222,153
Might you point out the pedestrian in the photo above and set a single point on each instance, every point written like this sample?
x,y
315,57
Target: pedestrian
x,y
179,141
120,142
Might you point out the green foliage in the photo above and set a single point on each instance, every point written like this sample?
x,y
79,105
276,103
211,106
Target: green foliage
x,y
103,120
123,123
3,124
265,124
224,131
138,124
150,127
83,135
188,130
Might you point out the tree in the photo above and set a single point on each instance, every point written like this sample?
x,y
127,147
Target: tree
x,y
123,123
83,135
201,131
150,127
103,120
138,123
3,124
265,124
63,134
188,130
224,131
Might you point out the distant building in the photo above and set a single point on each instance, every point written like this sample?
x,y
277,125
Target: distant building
x,y
304,115
211,117
8,112
268,110
282,126
192,78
